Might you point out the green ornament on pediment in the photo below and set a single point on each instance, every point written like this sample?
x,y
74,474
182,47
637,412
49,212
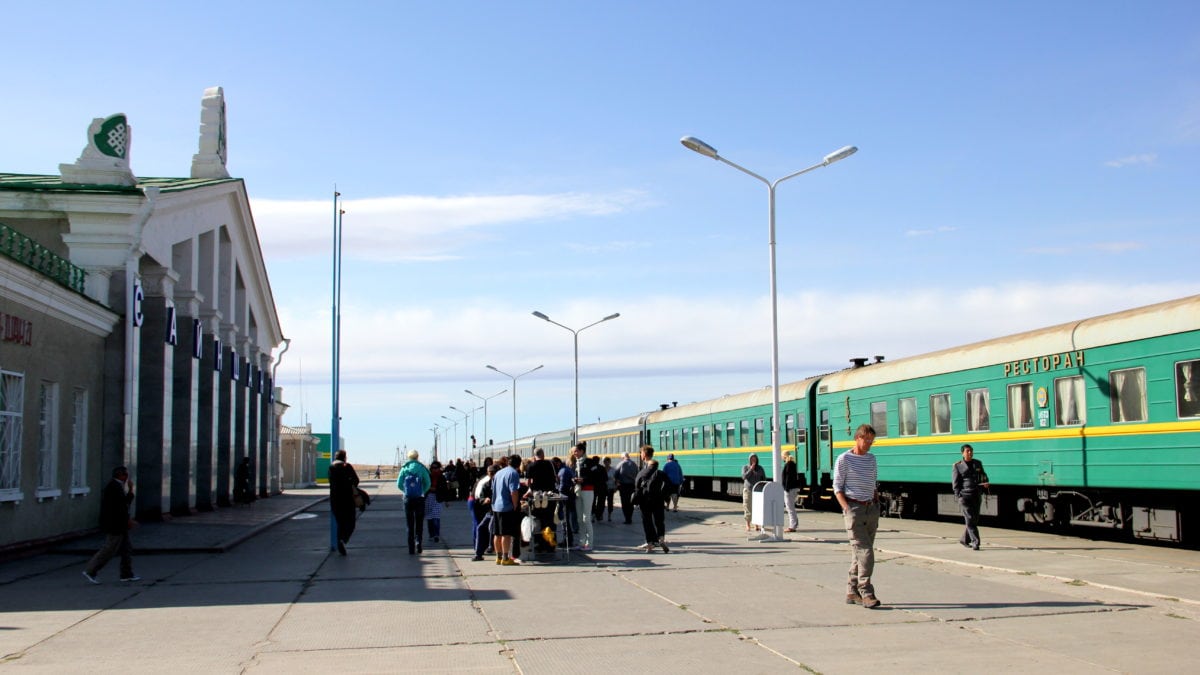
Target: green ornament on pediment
x,y
112,139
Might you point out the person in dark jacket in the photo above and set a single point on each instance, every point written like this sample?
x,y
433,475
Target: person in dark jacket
x,y
115,523
651,489
343,484
627,471
968,482
791,487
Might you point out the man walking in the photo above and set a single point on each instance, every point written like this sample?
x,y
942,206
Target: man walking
x,y
627,472
968,482
414,482
854,484
674,474
115,523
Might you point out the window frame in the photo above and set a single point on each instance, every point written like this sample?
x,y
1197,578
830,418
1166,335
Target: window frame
x,y
1114,401
949,415
900,416
974,426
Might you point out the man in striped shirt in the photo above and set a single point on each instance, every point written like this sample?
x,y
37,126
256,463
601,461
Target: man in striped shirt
x,y
855,477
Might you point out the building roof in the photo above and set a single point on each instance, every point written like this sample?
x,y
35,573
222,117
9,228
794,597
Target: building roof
x,y
40,183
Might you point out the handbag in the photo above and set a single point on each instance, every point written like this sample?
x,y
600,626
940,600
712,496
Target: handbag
x,y
361,499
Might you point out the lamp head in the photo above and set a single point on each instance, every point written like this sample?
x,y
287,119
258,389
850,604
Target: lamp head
x,y
838,155
541,316
611,316
696,145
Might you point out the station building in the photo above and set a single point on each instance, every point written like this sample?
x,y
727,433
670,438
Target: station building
x,y
137,328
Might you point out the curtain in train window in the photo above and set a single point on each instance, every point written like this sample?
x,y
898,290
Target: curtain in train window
x,y
1187,388
879,420
908,416
939,413
979,416
1128,395
1020,406
1069,402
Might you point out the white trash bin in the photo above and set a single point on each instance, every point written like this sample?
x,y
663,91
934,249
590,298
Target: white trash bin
x,y
766,505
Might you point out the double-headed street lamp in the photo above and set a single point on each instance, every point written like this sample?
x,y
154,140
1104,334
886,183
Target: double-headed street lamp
x,y
485,400
514,397
576,333
697,145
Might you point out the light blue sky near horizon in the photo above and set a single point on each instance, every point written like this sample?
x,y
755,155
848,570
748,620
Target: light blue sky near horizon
x,y
1020,165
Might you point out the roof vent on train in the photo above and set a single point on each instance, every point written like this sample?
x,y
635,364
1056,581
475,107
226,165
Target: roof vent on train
x,y
859,362
664,406
879,358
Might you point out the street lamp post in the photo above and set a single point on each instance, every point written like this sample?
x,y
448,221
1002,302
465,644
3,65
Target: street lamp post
x,y
514,397
576,333
696,145
453,433
485,399
465,415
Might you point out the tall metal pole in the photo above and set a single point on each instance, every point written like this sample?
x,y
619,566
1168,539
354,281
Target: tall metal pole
x,y
335,321
543,317
696,145
485,400
513,445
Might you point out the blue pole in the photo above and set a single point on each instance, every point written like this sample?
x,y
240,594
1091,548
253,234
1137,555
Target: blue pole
x,y
335,320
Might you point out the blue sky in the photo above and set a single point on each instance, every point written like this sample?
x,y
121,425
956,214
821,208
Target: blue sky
x,y
1021,164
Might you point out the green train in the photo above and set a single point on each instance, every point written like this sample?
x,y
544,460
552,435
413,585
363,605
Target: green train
x,y
1093,424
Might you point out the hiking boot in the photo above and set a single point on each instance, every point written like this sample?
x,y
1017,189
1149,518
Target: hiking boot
x,y
870,601
853,599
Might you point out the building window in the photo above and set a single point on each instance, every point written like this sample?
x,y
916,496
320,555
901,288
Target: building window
x,y
939,414
1069,401
47,439
12,407
879,418
1020,406
908,416
979,417
1187,388
1127,401
79,417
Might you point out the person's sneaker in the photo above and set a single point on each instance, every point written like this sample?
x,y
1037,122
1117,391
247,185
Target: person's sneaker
x,y
91,578
477,558
420,549
585,549
131,578
853,599
499,561
974,547
509,561
663,543
870,601
341,547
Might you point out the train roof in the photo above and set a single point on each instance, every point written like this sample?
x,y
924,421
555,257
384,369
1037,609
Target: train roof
x,y
791,391
632,422
1166,318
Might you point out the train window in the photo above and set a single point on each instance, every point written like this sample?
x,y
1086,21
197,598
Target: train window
x,y
939,414
729,433
676,441
1127,397
1069,401
908,416
1020,405
789,429
707,436
879,418
1187,388
758,431
716,435
979,417
744,435
696,438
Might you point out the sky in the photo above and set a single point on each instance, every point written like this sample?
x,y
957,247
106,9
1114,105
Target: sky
x,y
1020,165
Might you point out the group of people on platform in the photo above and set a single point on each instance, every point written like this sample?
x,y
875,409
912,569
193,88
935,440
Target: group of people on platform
x,y
580,491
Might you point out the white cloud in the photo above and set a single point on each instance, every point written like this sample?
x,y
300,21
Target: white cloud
x,y
925,233
415,227
1133,160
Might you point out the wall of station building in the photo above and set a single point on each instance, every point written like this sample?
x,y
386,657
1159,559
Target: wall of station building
x,y
160,361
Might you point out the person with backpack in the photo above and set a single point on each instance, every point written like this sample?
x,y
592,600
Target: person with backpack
x,y
650,491
414,483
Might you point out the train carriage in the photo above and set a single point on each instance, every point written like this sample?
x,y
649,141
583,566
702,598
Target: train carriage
x,y
1091,423
713,439
616,437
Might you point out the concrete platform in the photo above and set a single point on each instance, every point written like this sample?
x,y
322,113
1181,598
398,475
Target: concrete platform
x,y
280,601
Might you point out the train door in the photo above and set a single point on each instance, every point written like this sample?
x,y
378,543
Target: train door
x,y
825,449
